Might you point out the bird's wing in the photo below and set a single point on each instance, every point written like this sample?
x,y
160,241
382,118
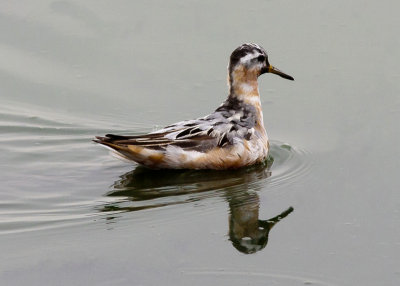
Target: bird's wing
x,y
192,135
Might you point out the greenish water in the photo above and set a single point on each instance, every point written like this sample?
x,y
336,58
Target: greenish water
x,y
324,211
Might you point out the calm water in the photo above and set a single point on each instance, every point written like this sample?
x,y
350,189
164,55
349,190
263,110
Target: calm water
x,y
71,214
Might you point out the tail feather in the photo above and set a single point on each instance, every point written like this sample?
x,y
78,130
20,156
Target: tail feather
x,y
132,152
113,137
107,142
110,138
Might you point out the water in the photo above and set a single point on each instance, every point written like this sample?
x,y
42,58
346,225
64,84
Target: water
x,y
325,209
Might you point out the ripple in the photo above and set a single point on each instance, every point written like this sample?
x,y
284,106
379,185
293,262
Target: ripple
x,y
22,217
290,164
50,179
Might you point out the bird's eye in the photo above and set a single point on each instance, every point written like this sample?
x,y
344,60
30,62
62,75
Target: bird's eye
x,y
261,58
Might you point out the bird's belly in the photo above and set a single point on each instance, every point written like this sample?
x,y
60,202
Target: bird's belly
x,y
240,154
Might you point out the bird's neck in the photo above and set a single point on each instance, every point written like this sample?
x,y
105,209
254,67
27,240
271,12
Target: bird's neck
x,y
243,85
246,91
244,88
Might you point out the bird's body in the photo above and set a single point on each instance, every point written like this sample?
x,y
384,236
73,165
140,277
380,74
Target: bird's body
x,y
231,137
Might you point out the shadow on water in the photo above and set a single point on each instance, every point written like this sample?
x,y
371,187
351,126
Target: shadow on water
x,y
143,188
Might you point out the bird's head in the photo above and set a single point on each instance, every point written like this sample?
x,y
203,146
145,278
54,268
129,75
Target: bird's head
x,y
248,62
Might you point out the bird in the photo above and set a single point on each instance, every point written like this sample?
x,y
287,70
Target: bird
x,y
231,137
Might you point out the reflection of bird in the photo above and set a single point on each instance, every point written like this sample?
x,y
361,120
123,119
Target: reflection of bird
x,y
247,232
138,190
177,186
231,137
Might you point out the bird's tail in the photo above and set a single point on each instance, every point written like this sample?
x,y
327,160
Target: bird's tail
x,y
140,154
117,149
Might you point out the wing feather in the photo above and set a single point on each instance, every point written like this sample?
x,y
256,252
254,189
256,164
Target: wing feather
x,y
217,129
191,138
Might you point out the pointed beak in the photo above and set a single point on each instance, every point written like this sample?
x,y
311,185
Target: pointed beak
x,y
274,70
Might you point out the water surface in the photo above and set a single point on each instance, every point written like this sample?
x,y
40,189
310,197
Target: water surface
x,y
324,209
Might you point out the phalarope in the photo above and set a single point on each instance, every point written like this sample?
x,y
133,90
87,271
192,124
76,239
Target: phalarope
x,y
231,137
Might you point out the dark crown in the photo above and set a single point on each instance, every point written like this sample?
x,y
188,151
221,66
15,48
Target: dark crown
x,y
243,51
